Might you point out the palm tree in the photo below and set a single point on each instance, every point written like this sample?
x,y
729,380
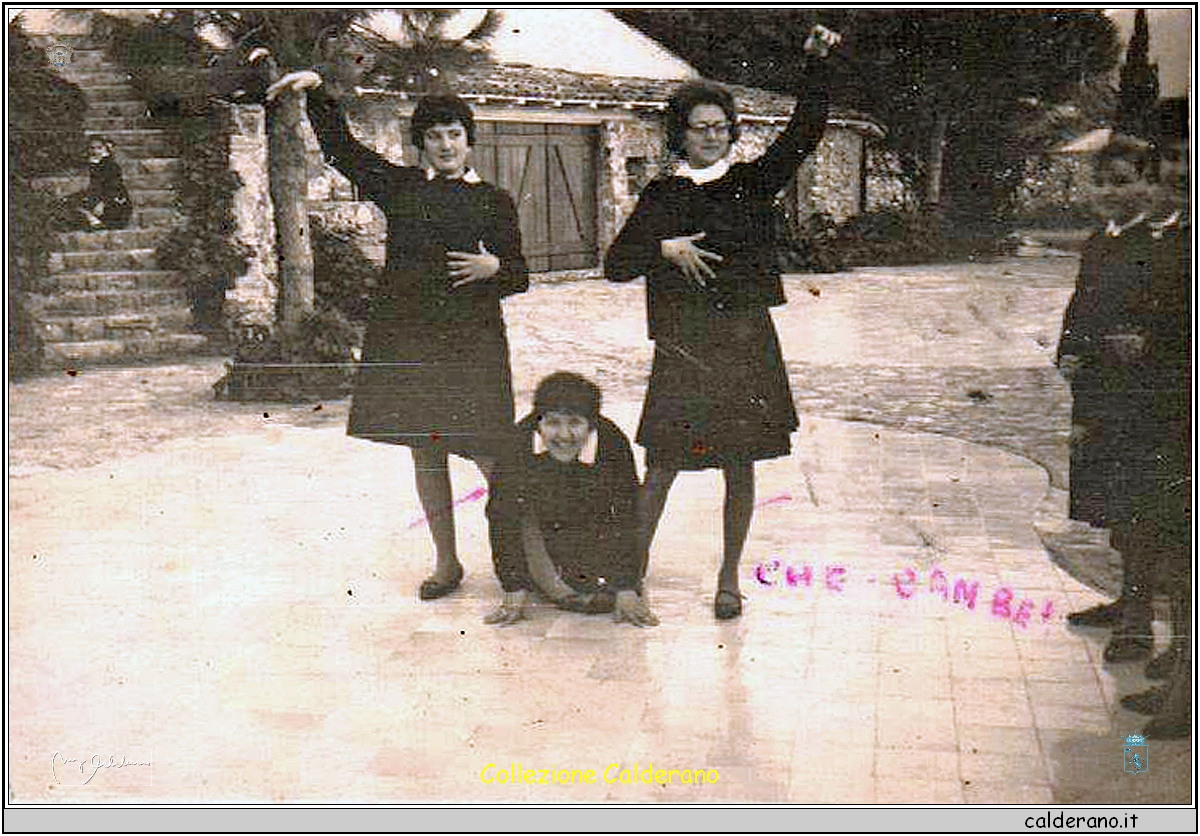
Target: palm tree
x,y
416,56
341,40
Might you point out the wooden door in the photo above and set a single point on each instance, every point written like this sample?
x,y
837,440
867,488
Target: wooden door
x,y
550,172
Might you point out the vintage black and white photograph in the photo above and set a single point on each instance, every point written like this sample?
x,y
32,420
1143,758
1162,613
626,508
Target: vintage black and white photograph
x,y
663,406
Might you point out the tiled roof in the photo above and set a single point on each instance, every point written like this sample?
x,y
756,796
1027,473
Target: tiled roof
x,y
525,85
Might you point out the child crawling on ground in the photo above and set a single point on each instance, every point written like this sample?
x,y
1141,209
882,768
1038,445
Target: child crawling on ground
x,y
565,512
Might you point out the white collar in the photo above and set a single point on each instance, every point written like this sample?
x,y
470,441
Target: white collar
x,y
468,176
700,176
586,456
1113,230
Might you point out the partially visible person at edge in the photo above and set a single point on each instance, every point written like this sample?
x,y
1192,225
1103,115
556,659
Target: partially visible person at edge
x,y
1125,348
718,395
435,373
568,527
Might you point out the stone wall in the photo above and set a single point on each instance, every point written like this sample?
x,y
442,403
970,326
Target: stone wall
x,y
1055,183
887,188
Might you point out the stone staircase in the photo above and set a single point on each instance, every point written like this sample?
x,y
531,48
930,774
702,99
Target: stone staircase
x,y
105,300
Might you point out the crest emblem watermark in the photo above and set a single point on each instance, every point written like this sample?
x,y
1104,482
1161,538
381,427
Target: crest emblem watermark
x,y
59,55
1136,754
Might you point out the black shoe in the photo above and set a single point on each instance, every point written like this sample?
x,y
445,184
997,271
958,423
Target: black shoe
x,y
1148,702
432,588
727,605
1168,728
1129,645
1160,666
589,603
1101,615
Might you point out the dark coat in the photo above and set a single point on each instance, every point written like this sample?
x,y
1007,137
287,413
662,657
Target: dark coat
x,y
585,513
106,186
435,367
1131,410
718,389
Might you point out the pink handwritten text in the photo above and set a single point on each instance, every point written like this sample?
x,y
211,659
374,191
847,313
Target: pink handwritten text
x,y
478,493
767,574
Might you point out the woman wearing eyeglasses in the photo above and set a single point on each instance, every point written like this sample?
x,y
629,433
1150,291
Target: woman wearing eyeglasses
x,y
718,395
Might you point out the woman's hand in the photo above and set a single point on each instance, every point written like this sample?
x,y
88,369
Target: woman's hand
x,y
821,42
466,268
511,609
1067,366
693,261
633,608
297,82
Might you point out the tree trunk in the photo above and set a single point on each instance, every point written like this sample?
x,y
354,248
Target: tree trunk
x,y
288,169
937,156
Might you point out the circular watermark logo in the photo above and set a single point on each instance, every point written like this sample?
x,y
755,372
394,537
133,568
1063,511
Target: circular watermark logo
x,y
59,55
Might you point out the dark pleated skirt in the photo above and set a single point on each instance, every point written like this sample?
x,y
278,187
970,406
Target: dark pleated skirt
x,y
718,395
435,384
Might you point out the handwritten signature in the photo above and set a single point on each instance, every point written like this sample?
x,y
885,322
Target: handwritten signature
x,y
95,764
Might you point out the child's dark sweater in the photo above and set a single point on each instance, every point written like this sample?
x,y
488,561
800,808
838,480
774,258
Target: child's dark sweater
x,y
585,513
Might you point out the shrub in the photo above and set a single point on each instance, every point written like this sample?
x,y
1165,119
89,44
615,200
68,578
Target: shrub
x,y
38,99
205,247
31,221
814,251
313,359
45,112
890,237
343,277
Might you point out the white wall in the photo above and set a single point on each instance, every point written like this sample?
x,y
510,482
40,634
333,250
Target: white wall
x,y
580,40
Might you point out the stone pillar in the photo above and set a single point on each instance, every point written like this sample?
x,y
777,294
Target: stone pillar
x,y
612,194
251,302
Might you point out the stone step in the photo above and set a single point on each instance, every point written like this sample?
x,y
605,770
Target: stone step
x,y
115,93
87,57
145,189
152,165
160,181
100,303
155,217
105,124
73,354
143,142
152,198
78,39
146,323
110,239
114,280
88,77
109,110
101,261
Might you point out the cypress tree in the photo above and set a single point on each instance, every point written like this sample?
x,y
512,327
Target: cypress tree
x,y
1139,83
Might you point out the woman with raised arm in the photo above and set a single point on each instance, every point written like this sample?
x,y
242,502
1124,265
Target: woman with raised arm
x,y
435,373
718,395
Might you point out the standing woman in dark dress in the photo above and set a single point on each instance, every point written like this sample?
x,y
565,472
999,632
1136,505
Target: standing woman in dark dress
x,y
435,373
718,395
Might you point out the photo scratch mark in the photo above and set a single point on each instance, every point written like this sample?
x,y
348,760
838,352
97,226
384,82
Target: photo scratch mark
x,y
812,494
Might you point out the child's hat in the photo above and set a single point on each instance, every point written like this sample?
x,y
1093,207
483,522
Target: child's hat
x,y
568,392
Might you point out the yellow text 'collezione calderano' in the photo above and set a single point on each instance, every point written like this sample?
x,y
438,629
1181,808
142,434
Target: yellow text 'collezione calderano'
x,y
516,773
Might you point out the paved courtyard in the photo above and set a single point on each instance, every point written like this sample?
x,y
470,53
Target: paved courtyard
x,y
225,594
